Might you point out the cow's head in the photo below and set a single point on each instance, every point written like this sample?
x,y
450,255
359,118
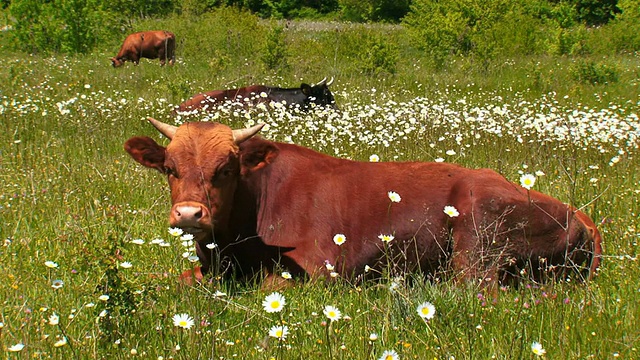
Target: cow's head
x,y
202,164
116,62
319,93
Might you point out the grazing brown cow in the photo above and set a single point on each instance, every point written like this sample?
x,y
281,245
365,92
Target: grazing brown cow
x,y
303,96
270,205
147,44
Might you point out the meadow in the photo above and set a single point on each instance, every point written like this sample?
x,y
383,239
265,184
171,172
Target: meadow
x,y
89,268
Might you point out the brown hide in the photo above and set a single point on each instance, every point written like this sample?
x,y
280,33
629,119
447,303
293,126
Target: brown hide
x,y
211,98
288,202
303,97
147,44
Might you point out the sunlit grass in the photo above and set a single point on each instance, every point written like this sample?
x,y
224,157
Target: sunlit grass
x,y
72,197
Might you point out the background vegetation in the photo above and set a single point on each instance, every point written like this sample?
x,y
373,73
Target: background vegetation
x,y
561,98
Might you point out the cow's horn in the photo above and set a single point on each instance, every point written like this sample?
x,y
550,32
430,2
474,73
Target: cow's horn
x,y
165,129
241,135
321,82
330,81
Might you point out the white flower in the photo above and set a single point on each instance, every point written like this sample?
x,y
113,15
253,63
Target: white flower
x,y
386,238
137,241
339,239
104,297
439,160
389,355
57,284
175,231
426,310
54,319
373,336
394,196
450,152
332,313
374,158
451,211
16,347
367,268
286,275
183,320
219,293
537,349
329,266
527,181
61,342
273,302
186,237
279,332
126,265
50,264
211,246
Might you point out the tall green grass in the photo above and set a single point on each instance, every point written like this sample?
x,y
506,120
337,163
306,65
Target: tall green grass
x,y
72,196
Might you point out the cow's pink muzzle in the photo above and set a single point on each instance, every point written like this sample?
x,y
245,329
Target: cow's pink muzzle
x,y
190,214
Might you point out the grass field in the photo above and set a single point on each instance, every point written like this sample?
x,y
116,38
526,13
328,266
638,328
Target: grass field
x,y
74,208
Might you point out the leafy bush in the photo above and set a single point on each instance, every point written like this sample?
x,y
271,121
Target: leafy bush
x,y
374,10
446,28
589,71
73,26
274,53
378,56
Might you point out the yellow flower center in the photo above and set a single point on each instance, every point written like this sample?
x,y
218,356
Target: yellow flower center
x,y
275,304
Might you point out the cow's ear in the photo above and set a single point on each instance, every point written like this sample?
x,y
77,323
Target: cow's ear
x,y
255,155
146,151
306,89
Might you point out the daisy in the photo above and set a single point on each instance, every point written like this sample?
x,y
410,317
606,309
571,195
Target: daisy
x,y
183,320
57,284
16,347
50,264
175,231
54,319
527,181
339,239
451,211
374,158
537,349
286,275
386,238
373,336
61,342
273,302
279,332
211,246
332,313
126,265
426,310
394,196
104,297
389,355
186,237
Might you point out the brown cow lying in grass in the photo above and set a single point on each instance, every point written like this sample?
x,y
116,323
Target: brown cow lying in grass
x,y
147,44
270,206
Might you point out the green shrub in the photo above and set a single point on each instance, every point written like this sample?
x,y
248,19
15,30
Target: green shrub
x,y
591,72
72,26
378,56
274,53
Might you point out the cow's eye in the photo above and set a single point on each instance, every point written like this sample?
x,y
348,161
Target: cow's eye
x,y
171,171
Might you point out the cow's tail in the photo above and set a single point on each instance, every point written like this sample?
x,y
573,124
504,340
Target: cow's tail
x,y
169,47
593,241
